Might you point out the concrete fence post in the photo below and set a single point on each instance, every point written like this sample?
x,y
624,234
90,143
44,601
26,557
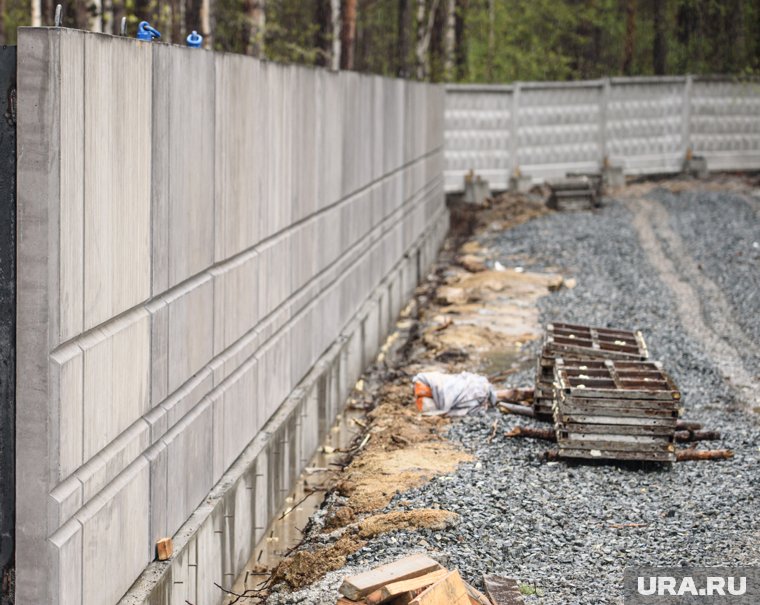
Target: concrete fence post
x,y
603,109
513,135
686,115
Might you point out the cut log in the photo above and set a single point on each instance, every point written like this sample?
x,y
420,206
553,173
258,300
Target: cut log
x,y
532,433
360,585
502,591
514,408
451,590
395,589
690,454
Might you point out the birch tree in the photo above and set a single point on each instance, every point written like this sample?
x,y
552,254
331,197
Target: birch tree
x,y
255,12
36,13
424,31
449,40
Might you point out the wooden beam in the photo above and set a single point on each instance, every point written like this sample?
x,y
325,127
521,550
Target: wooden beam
x,y
361,585
451,590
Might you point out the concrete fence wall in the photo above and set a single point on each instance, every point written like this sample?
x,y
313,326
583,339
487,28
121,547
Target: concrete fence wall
x,y
644,125
210,249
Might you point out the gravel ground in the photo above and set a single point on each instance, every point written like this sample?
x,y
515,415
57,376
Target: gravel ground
x,y
570,529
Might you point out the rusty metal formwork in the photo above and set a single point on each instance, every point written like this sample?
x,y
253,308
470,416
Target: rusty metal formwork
x,y
573,341
573,193
615,409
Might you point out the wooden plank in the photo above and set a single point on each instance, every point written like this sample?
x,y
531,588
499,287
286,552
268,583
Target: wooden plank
x,y
451,590
502,591
395,589
476,597
360,585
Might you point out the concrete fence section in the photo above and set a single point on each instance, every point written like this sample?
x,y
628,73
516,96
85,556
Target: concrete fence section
x,y
643,125
210,250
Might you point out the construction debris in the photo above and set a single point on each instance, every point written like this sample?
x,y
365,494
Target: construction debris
x,y
573,193
692,454
502,591
607,401
576,342
624,410
164,549
532,433
361,585
419,580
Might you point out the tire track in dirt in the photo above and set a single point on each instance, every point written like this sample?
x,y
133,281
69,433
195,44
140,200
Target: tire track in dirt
x,y
696,296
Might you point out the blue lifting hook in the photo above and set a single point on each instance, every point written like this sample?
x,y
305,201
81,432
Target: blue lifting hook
x,y
146,32
194,40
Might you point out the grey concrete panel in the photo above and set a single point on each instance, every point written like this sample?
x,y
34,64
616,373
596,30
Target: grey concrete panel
x,y
116,379
189,464
191,163
122,514
72,193
66,545
220,223
117,186
191,328
66,382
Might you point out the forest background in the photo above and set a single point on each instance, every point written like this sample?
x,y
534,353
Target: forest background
x,y
443,40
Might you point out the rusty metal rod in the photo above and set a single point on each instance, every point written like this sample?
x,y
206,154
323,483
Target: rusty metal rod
x,y
516,408
683,425
531,433
686,436
690,454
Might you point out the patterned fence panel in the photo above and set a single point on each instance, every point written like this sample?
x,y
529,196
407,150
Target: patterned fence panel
x,y
559,128
725,123
478,135
645,125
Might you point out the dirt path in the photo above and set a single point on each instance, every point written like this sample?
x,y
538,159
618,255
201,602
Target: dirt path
x,y
704,311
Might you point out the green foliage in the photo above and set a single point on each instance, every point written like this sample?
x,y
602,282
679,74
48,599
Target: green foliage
x,y
17,14
501,41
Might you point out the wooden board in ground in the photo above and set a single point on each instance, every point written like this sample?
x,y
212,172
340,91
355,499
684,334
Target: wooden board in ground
x,y
396,589
451,590
361,585
502,591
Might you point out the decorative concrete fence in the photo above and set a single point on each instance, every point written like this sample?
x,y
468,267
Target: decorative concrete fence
x,y
643,125
210,250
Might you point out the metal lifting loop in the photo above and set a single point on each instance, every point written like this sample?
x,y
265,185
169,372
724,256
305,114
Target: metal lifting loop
x,y
146,32
194,40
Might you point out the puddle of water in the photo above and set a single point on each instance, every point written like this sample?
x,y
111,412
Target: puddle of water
x,y
500,364
285,530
